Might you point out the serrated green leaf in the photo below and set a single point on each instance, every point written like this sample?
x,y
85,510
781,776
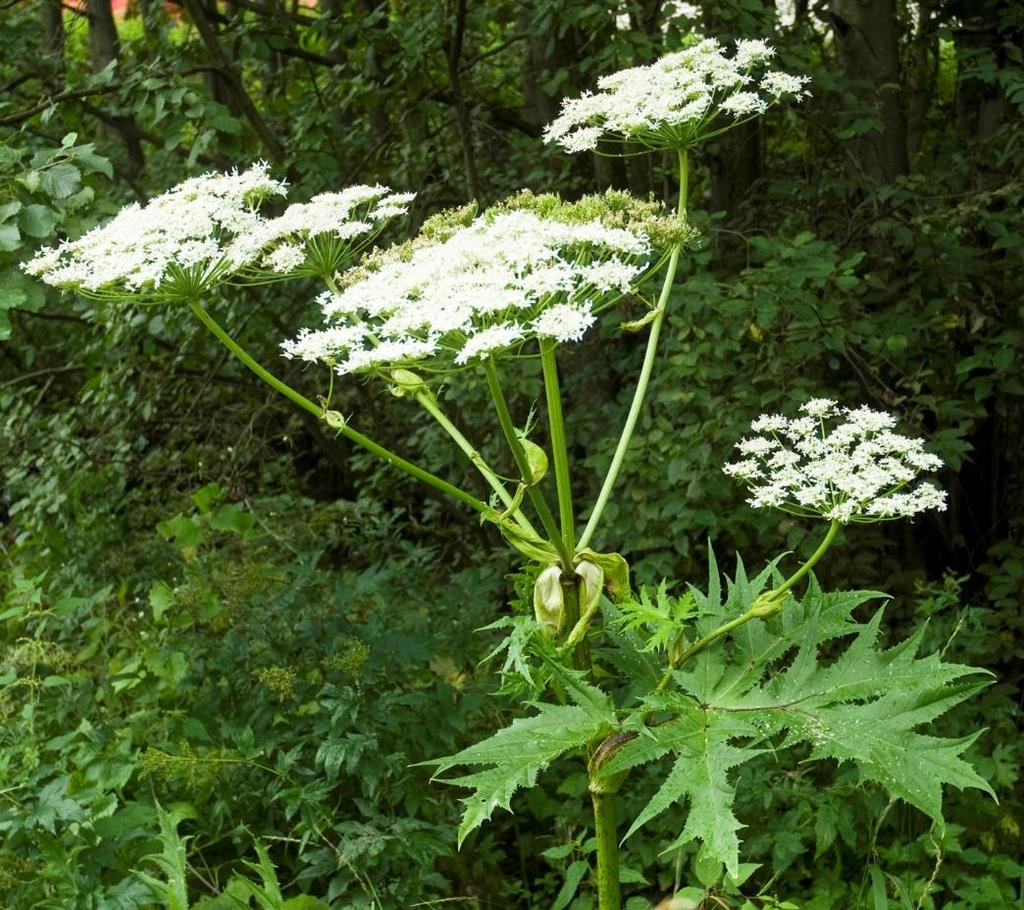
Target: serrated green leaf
x,y
37,220
519,753
700,777
10,237
173,891
776,681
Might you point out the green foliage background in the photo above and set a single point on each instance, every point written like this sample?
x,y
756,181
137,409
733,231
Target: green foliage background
x,y
208,604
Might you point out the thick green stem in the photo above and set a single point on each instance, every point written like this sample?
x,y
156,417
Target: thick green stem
x,y
807,566
650,355
429,404
766,605
508,428
318,412
559,448
609,896
580,648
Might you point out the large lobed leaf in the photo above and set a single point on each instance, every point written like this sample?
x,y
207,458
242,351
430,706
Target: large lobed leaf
x,y
519,752
771,681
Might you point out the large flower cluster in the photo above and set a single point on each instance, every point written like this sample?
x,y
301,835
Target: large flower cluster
x,y
843,464
319,236
211,227
468,288
677,101
174,244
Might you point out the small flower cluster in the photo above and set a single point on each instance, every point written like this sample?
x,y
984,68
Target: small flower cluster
x,y
843,464
318,237
174,244
676,101
469,288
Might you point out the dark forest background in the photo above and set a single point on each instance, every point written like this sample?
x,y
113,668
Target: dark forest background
x,y
208,602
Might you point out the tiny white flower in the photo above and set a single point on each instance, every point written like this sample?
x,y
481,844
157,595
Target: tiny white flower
x,y
565,322
753,51
286,258
776,84
493,338
819,407
353,215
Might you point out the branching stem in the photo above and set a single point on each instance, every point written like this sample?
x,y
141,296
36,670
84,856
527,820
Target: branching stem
x,y
318,412
559,448
429,404
766,605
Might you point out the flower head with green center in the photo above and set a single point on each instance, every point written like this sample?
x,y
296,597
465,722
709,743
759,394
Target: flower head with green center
x,y
677,101
843,464
319,237
469,288
173,247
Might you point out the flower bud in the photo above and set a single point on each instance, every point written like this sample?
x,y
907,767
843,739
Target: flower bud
x,y
334,419
537,459
767,604
548,599
591,583
615,569
406,382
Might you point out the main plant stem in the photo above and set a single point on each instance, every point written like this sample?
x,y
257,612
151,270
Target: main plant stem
x,y
650,355
354,435
609,896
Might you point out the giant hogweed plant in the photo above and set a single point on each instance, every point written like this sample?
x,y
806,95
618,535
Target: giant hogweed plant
x,y
705,680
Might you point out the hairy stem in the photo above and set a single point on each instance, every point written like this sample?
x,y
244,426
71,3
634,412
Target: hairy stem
x,y
318,412
650,355
609,896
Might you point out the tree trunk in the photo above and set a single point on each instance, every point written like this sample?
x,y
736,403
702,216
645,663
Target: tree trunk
x,y
735,159
986,31
866,34
925,60
52,19
219,59
105,48
456,20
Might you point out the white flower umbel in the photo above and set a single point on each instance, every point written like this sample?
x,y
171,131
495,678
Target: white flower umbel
x,y
469,288
172,247
678,101
319,237
843,464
